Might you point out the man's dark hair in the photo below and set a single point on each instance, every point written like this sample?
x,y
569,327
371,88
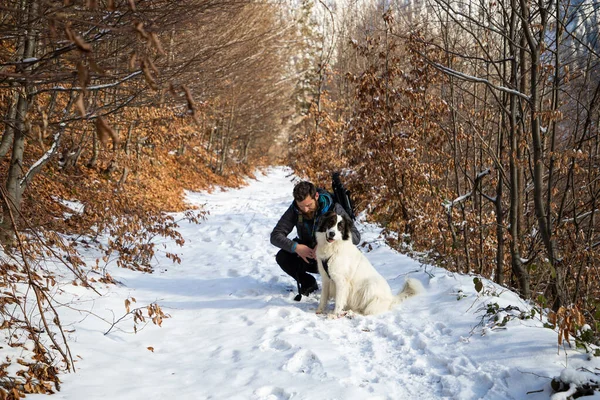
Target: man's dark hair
x,y
304,189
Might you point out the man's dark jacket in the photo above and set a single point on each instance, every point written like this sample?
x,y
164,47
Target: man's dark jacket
x,y
306,228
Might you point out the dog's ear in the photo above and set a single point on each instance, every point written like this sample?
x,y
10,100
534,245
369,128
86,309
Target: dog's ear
x,y
346,225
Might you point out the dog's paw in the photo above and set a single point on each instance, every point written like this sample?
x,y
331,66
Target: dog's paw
x,y
335,315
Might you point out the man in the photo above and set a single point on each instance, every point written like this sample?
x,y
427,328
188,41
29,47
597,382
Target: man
x,y
297,257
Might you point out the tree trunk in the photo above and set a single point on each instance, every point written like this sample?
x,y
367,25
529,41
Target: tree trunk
x,y
534,44
518,269
14,186
9,123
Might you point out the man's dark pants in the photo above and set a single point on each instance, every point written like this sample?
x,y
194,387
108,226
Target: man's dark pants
x,y
294,266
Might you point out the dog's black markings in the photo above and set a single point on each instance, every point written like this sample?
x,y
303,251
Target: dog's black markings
x,y
326,267
329,220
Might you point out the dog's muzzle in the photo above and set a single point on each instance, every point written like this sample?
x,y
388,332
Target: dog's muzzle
x,y
330,236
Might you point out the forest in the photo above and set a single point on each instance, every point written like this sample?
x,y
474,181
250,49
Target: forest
x,y
468,130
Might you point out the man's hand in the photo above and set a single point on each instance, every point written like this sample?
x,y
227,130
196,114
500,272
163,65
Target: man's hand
x,y
305,252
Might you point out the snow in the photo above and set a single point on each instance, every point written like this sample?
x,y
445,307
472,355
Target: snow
x,y
235,332
578,377
76,206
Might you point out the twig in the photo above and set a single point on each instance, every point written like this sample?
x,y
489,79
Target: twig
x,y
78,274
535,391
39,295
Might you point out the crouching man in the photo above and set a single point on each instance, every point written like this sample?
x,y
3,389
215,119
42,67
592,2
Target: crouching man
x,y
297,257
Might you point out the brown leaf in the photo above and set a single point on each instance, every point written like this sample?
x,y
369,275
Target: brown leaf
x,y
172,90
152,66
78,40
37,133
82,74
148,76
102,130
82,44
44,123
132,60
80,105
151,348
52,27
190,100
139,27
69,32
560,333
156,42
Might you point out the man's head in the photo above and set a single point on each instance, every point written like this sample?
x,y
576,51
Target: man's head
x,y
306,198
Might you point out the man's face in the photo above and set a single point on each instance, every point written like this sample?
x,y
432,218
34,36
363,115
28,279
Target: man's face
x,y
308,206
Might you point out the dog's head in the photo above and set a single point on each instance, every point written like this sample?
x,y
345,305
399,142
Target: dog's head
x,y
334,227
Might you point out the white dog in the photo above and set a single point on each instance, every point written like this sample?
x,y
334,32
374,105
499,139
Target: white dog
x,y
349,277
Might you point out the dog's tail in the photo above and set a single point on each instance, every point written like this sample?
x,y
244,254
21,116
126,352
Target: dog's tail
x,y
411,288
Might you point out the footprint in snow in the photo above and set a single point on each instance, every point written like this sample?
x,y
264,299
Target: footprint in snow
x,y
275,344
443,329
279,312
419,342
232,273
305,362
305,328
227,243
461,365
419,367
388,332
242,247
224,354
270,393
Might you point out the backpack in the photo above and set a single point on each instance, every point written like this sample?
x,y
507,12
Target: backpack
x,y
341,195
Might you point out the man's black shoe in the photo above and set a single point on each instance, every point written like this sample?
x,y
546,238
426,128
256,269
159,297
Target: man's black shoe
x,y
306,290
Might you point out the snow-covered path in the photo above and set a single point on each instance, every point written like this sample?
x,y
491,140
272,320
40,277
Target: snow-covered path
x,y
236,333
